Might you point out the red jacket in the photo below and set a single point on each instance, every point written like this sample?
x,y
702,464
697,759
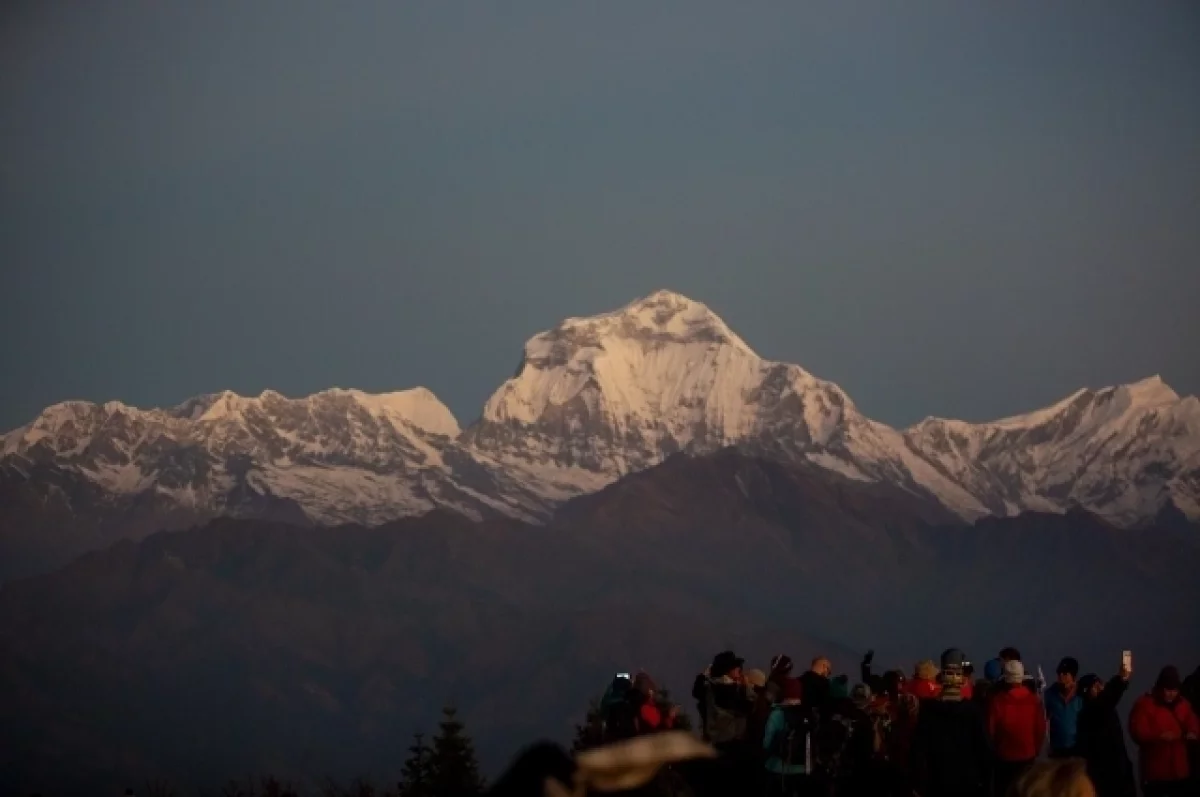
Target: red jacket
x,y
653,719
923,689
1016,724
1149,720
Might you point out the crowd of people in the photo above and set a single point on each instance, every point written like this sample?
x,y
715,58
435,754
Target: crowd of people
x,y
946,730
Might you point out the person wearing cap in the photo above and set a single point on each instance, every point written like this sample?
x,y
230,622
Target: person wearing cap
x,y
723,699
725,703
1161,724
772,693
989,684
1063,704
1016,725
1100,739
949,754
924,684
785,743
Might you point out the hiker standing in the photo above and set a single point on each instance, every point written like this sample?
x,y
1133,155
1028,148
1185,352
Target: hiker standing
x,y
949,754
924,684
786,741
650,715
725,704
1161,724
989,684
815,684
781,668
1016,726
1100,739
1063,704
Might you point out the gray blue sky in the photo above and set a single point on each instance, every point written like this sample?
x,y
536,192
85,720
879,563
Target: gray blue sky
x,y
960,209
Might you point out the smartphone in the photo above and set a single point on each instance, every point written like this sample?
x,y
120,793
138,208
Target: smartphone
x,y
624,676
1127,660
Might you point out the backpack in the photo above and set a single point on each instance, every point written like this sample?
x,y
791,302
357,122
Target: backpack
x,y
830,740
792,744
720,725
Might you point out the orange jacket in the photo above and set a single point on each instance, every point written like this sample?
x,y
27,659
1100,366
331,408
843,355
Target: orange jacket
x,y
1016,724
1150,719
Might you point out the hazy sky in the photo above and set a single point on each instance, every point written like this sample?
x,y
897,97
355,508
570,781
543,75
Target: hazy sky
x,y
969,209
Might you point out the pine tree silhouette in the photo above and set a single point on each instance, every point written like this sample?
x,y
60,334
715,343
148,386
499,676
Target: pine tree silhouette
x,y
416,777
453,770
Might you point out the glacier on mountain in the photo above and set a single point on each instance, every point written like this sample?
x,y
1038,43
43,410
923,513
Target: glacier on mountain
x,y
602,396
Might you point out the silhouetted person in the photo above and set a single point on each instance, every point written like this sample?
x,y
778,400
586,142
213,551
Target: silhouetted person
x,y
1100,739
815,683
949,749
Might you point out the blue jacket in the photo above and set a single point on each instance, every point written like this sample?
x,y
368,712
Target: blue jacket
x,y
1063,716
776,726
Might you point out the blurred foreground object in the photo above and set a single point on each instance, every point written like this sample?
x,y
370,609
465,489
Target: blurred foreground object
x,y
545,770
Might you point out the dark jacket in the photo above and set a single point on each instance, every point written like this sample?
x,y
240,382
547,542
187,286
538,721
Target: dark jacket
x,y
1191,693
950,754
1100,741
732,704
816,691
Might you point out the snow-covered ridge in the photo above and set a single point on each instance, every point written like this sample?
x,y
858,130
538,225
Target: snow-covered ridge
x,y
601,396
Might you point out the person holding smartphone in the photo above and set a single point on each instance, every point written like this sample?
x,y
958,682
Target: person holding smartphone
x,y
1100,739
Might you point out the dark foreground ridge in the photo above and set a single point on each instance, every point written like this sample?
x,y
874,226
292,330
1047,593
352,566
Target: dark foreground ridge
x,y
255,647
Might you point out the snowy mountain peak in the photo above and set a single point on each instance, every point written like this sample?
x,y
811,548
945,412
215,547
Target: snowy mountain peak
x,y
663,317
1090,449
416,406
1151,392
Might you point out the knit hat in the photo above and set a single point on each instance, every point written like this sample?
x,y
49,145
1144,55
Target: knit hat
x,y
994,670
1068,665
1014,672
1168,678
793,689
927,670
953,657
781,663
861,695
1087,681
756,678
725,661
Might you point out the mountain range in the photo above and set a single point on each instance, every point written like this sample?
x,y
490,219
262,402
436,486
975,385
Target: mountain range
x,y
293,586
593,399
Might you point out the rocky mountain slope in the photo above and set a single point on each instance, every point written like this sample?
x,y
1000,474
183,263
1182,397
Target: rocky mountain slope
x,y
595,398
